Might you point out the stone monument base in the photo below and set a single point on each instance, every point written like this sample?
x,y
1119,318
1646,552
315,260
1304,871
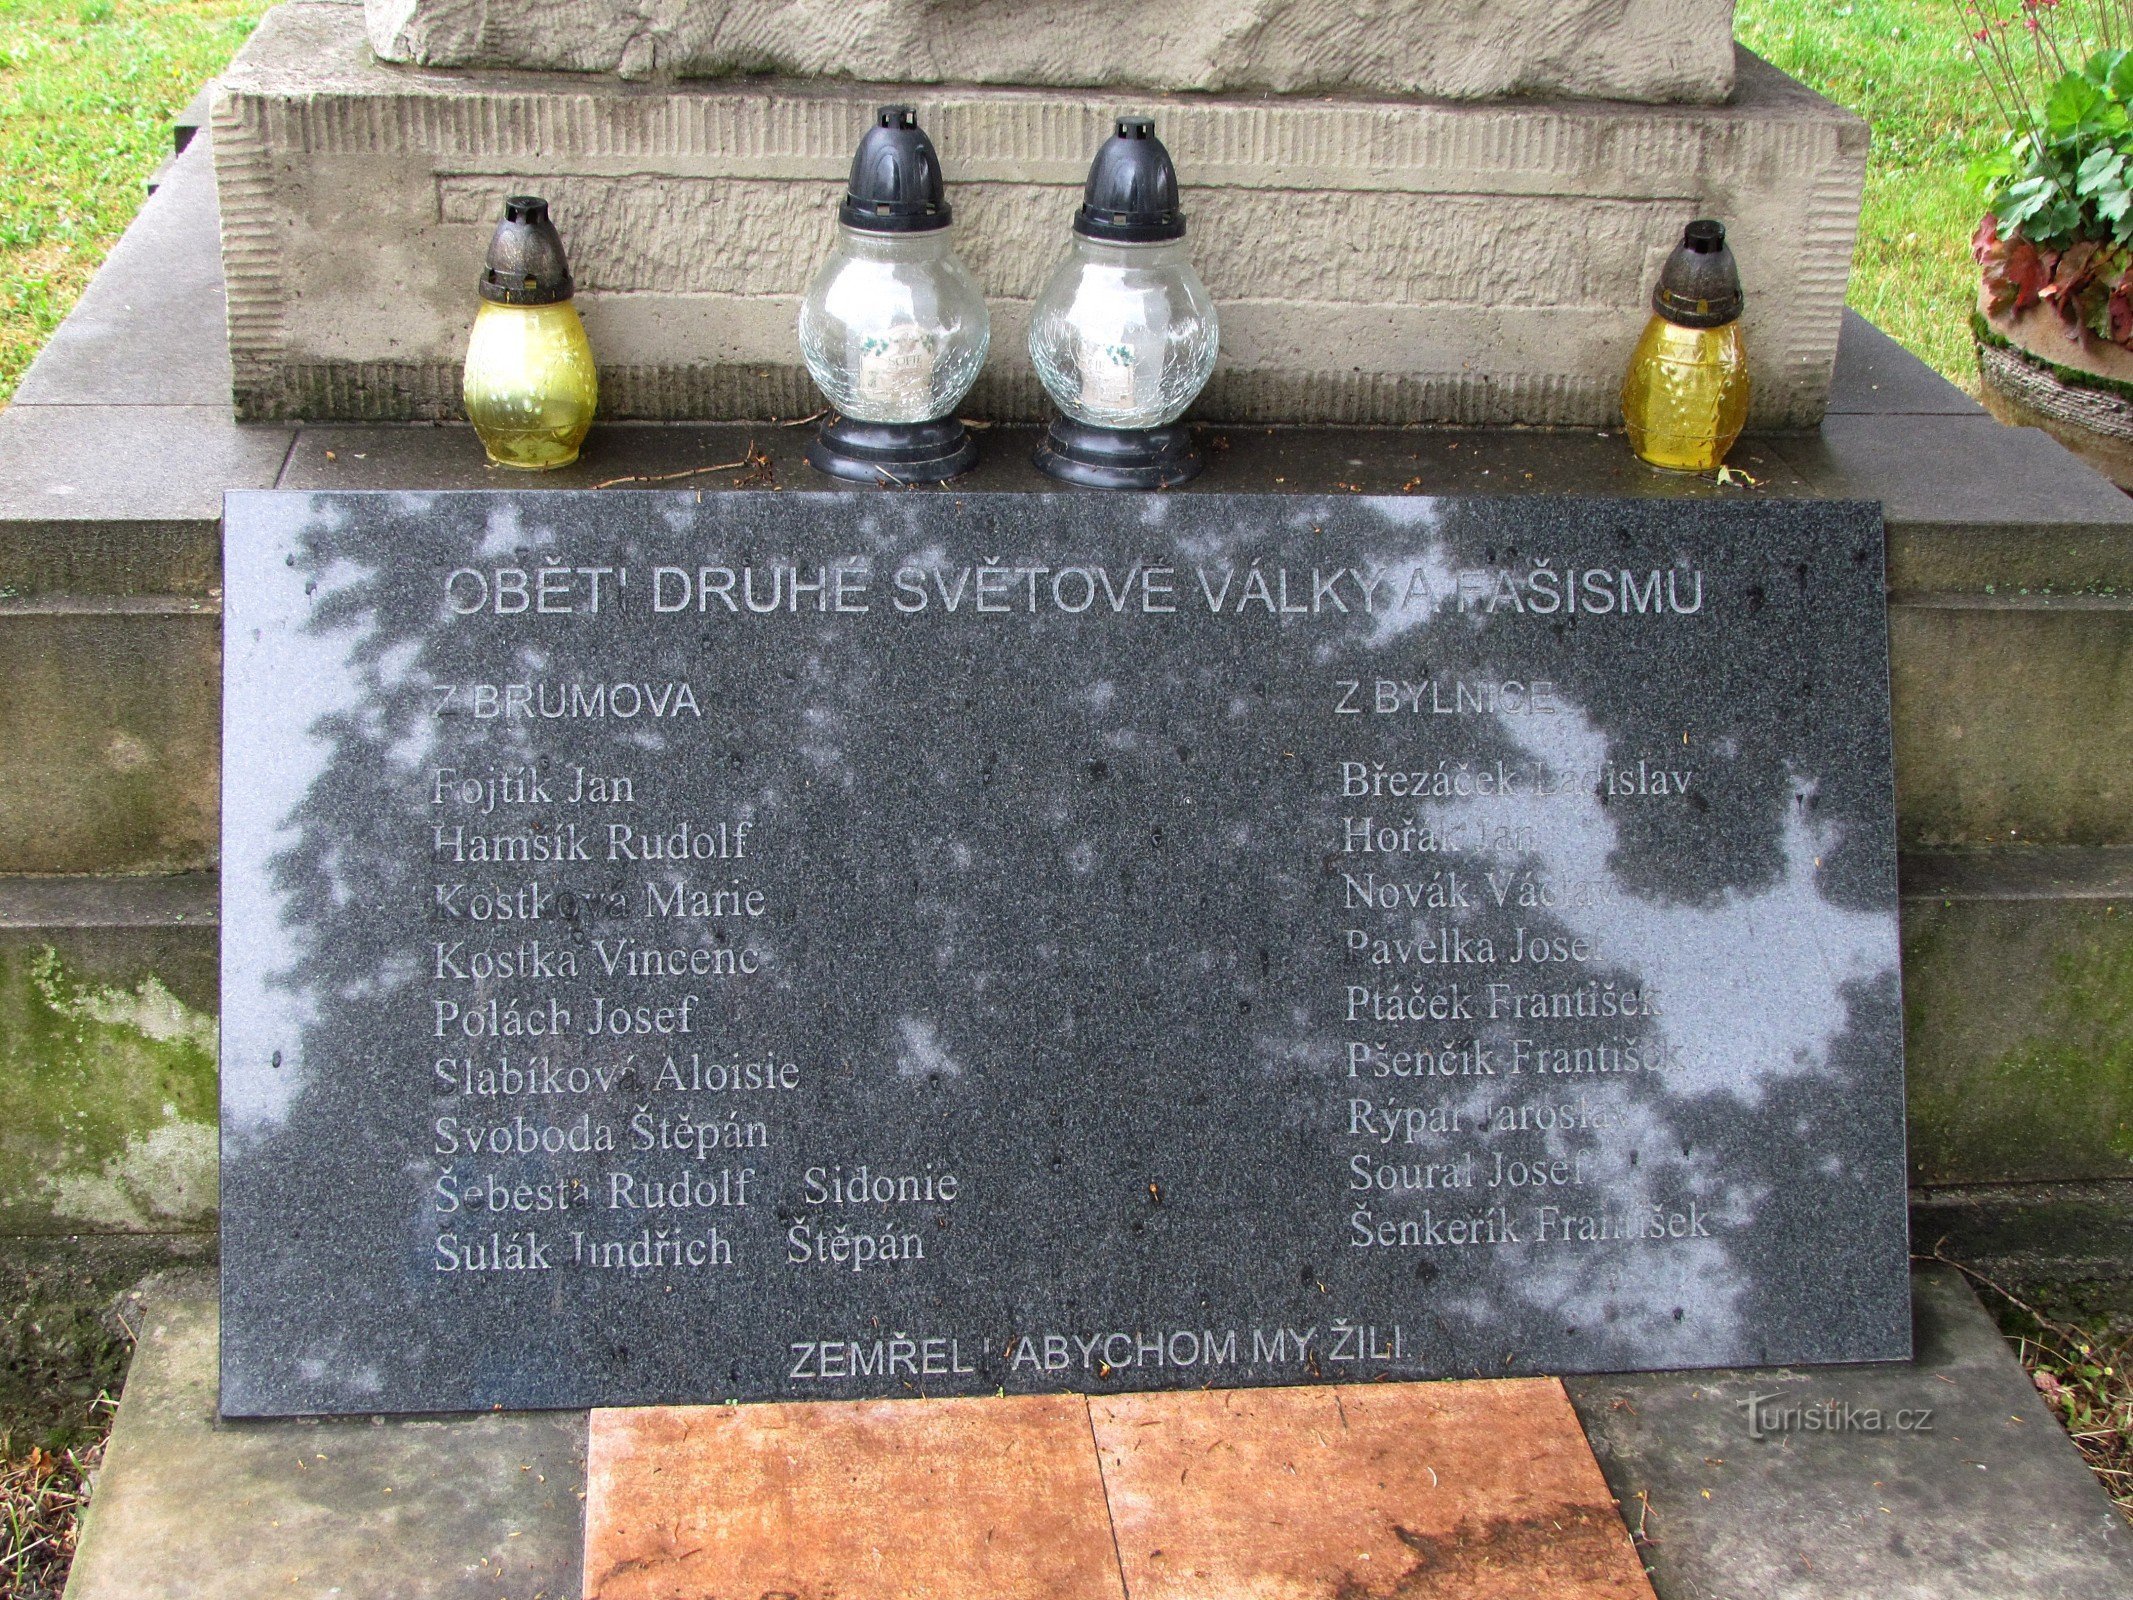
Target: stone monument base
x,y
1427,1491
1375,260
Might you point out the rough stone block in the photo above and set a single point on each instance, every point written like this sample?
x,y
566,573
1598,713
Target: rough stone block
x,y
107,1055
1375,260
111,727
2001,702
1616,49
2018,990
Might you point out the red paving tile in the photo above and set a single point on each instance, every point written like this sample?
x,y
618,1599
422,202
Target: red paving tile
x,y
886,1500
1413,1490
1480,1491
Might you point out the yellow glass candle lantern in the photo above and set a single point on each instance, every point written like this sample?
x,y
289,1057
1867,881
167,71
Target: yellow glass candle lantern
x,y
1685,399
529,383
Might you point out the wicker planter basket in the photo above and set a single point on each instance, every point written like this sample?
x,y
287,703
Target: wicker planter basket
x,y
2031,375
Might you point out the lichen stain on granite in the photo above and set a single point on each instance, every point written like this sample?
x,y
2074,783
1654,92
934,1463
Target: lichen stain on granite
x,y
107,1104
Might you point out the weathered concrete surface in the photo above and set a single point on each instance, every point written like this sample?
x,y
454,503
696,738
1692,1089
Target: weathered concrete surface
x,y
107,1055
419,1509
112,734
1987,1499
916,1500
2000,703
2063,1246
1375,260
1876,376
1638,50
2018,1016
1972,507
1422,1491
162,279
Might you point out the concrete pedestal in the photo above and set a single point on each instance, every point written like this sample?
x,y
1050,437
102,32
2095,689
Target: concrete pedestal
x,y
1375,260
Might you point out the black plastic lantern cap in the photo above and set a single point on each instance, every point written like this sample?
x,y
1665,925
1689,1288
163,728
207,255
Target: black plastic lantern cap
x,y
896,182
1699,287
1132,196
526,264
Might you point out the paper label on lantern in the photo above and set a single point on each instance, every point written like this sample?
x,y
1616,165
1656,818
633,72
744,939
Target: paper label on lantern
x,y
896,372
1111,380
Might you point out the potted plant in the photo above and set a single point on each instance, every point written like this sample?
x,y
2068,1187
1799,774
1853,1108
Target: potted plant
x,y
2054,321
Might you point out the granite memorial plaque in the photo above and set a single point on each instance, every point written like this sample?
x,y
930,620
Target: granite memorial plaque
x,y
681,947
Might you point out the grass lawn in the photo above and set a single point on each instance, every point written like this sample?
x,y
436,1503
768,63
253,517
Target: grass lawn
x,y
88,89
1903,66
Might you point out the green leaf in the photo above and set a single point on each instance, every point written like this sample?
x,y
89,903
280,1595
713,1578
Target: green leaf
x,y
2102,173
2073,102
2024,200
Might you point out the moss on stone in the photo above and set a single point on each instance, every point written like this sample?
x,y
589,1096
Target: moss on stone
x,y
2020,1042
107,1101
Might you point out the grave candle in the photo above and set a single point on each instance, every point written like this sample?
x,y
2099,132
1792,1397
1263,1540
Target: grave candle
x,y
1125,334
529,383
1685,398
894,328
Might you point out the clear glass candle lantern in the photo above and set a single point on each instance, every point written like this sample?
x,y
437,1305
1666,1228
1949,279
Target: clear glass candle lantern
x,y
894,329
1124,334
529,385
1685,397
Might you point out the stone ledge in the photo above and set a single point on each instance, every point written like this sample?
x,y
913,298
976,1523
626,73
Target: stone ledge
x,y
180,900
123,499
414,1508
2067,1242
1988,1500
1494,263
1972,506
137,336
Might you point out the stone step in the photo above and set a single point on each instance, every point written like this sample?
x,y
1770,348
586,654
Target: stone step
x,y
417,1508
